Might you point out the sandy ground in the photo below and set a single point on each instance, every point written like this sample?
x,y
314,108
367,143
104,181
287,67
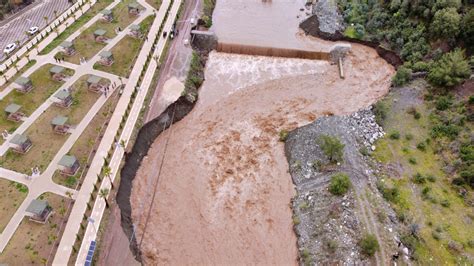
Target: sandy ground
x,y
224,191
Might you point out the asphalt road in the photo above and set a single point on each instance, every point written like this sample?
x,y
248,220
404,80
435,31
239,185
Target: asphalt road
x,y
15,29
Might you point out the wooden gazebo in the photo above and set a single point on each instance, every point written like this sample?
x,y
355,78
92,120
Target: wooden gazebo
x,y
13,112
60,125
25,84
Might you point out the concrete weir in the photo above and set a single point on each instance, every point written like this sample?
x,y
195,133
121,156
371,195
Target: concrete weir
x,y
271,51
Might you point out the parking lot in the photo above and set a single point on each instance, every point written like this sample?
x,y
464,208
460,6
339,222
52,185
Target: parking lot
x,y
15,30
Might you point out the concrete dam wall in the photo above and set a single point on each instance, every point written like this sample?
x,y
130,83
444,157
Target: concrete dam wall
x,y
271,51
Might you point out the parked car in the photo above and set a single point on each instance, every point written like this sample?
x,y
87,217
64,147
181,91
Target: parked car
x,y
9,48
33,30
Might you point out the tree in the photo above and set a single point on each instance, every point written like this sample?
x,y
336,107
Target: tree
x,y
104,193
446,23
340,184
46,19
332,147
450,70
107,172
402,76
467,29
369,245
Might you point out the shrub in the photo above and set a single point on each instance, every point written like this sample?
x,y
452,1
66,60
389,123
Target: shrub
x,y
402,76
421,66
408,136
436,235
364,151
431,178
412,160
445,130
446,23
445,203
380,111
369,245
340,184
419,179
332,147
421,146
394,135
443,103
450,70
471,98
283,135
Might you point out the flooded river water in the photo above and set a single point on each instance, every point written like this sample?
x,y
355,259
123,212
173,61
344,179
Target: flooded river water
x,y
224,192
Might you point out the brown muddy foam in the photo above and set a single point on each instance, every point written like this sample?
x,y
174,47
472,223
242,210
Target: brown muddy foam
x,y
224,191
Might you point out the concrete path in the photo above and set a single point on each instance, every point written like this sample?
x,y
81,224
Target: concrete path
x,y
44,183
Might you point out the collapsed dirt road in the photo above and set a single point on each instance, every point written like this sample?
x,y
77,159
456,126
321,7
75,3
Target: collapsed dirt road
x,y
224,190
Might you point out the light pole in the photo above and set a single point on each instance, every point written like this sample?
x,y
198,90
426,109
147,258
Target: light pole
x,y
90,220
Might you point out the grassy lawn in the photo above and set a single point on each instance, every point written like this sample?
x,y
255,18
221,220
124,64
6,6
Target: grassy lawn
x,y
46,143
99,6
431,203
126,51
22,70
43,87
85,44
12,195
33,242
88,141
155,3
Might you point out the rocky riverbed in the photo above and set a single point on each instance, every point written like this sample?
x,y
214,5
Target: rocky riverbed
x,y
329,227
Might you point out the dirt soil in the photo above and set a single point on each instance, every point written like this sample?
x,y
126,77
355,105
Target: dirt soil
x,y
224,190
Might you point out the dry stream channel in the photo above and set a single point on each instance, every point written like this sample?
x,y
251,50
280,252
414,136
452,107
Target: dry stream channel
x,y
224,191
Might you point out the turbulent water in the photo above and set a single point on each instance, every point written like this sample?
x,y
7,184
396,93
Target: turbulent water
x,y
224,191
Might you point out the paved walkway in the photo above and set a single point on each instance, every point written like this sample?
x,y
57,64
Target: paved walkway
x,y
44,183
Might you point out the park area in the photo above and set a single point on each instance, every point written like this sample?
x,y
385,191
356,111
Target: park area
x,y
12,195
46,142
87,142
87,44
43,87
125,52
33,242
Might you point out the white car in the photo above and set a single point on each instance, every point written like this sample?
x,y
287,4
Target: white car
x,y
33,30
10,48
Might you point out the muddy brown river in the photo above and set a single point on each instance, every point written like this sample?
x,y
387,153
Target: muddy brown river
x,y
224,192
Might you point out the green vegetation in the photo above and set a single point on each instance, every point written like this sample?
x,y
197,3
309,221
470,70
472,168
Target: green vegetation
x,y
402,76
332,148
283,135
340,184
126,51
195,77
450,70
96,8
85,44
156,4
369,245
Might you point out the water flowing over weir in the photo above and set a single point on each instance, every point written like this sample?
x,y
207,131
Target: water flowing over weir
x,y
234,48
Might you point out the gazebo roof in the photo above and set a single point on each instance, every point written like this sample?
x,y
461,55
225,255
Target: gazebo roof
x,y
93,79
59,120
106,12
67,161
105,54
56,69
19,139
133,5
135,27
66,44
37,206
12,108
62,94
100,32
22,81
